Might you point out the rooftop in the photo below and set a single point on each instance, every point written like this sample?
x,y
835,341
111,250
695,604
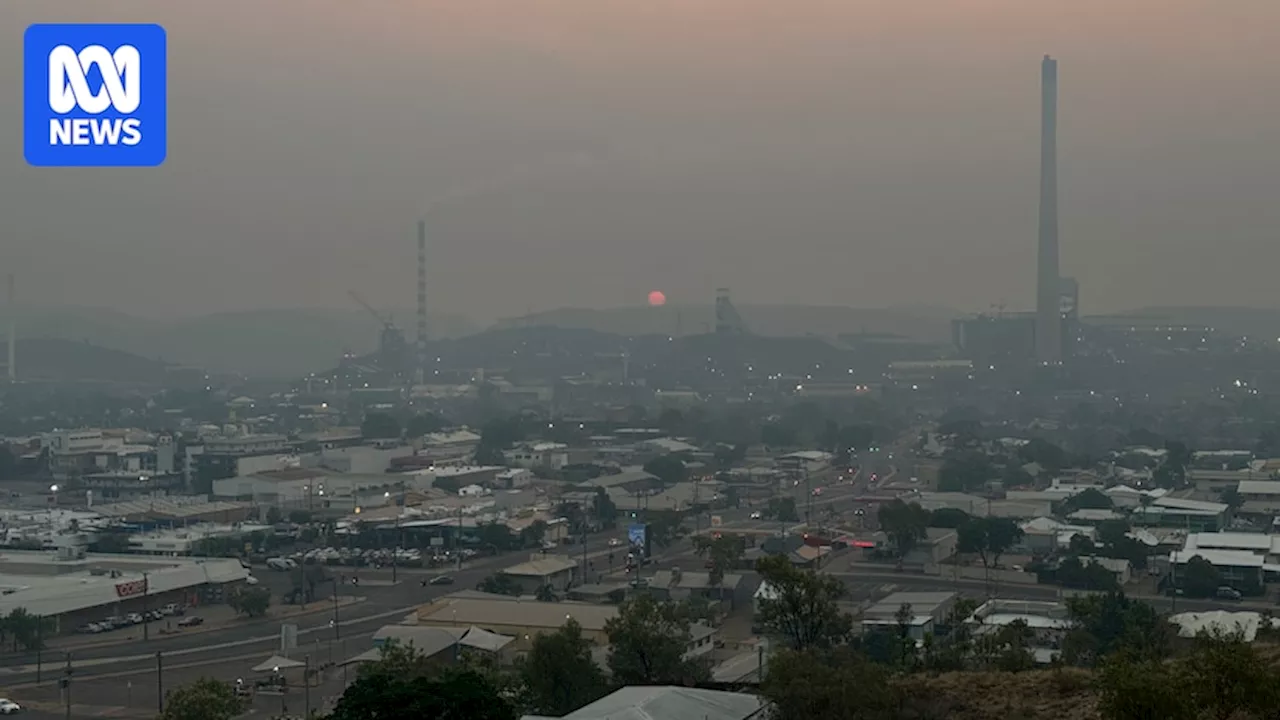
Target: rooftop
x,y
505,612
542,567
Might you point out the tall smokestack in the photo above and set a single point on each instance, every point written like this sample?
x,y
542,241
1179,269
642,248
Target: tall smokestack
x,y
12,307
421,373
1048,282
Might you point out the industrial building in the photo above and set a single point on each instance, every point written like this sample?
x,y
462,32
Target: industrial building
x,y
73,588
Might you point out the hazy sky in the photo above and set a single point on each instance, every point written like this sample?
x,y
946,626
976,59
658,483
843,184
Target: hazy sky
x,y
582,152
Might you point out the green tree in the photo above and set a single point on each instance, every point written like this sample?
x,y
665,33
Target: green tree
x,y
723,553
947,517
905,525
252,601
831,684
669,469
559,675
204,699
782,509
1088,499
1142,690
25,630
606,512
423,424
989,538
1106,623
1200,578
802,606
498,535
500,584
403,684
964,470
647,643
379,426
1044,453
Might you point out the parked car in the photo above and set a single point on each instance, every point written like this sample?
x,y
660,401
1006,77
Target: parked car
x,y
9,707
1226,592
173,609
190,621
134,618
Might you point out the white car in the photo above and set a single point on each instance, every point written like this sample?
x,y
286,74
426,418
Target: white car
x,y
9,707
756,515
614,542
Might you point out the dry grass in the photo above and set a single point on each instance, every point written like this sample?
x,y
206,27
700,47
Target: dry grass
x,y
1059,694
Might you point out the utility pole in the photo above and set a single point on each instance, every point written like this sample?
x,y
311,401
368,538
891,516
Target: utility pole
x,y
66,685
146,608
39,646
160,681
335,608
306,691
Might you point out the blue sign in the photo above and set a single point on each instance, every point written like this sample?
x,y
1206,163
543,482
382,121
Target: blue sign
x,y
637,535
94,95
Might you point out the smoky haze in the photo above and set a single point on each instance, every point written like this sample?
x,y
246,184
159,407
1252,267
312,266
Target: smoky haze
x,y
581,153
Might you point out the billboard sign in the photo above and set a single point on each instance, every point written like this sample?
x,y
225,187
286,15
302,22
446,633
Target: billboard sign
x,y
638,539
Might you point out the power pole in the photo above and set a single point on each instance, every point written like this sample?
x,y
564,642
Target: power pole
x,y
146,608
160,680
335,608
66,685
306,681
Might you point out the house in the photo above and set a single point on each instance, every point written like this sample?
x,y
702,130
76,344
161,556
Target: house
x,y
1119,568
680,585
1237,568
1194,515
1048,622
927,609
538,456
514,617
557,571
669,702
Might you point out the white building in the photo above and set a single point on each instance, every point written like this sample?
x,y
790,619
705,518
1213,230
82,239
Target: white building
x,y
539,456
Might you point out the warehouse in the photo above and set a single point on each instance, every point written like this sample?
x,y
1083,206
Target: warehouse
x,y
74,588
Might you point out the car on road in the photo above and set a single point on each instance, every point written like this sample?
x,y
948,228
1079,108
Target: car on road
x,y
756,515
191,621
1226,592
441,580
9,707
614,542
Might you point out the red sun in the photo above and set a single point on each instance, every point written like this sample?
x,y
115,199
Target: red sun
x,y
657,298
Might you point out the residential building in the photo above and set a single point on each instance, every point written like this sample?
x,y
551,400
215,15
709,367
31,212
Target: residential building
x,y
669,702
556,571
539,456
515,617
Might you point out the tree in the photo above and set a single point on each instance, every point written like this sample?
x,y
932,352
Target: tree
x,y
1088,499
534,533
779,435
1043,453
783,509
669,469
964,470
305,579
423,424
25,630
801,607
989,537
404,684
948,517
204,699
647,643
606,512
665,527
904,523
832,684
379,426
724,552
498,535
1137,690
1200,578
559,675
251,601
545,593
1103,624
500,584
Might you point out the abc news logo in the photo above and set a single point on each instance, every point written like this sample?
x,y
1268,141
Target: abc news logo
x,y
95,95
69,90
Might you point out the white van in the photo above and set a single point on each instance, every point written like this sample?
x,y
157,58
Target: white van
x,y
281,564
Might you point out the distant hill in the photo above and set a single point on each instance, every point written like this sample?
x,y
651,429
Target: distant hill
x,y
1257,322
916,323
273,343
70,360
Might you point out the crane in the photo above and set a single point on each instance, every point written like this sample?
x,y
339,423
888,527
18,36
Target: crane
x,y
387,324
